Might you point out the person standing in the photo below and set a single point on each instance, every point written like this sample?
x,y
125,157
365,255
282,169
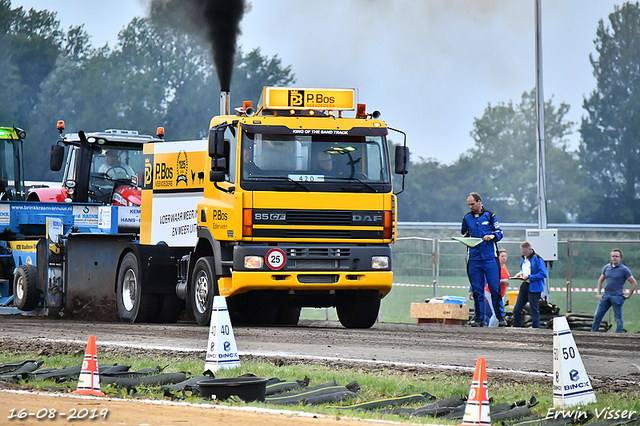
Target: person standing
x,y
504,277
616,275
482,263
533,271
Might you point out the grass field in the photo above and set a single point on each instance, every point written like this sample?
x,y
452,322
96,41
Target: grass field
x,y
374,385
395,307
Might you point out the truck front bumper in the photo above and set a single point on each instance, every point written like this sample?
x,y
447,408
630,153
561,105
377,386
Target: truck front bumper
x,y
302,281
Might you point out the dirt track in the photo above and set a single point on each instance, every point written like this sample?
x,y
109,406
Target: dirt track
x,y
512,354
129,412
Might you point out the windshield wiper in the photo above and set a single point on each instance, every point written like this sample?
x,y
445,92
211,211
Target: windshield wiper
x,y
353,178
287,179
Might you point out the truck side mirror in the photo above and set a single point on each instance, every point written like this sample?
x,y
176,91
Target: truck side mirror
x,y
219,163
402,160
56,157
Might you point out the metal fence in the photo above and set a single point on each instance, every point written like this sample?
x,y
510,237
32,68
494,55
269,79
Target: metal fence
x,y
439,265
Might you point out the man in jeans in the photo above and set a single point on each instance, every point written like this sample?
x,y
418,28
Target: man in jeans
x,y
533,271
616,275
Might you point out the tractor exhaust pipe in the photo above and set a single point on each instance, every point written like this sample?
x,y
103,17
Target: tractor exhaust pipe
x,y
225,102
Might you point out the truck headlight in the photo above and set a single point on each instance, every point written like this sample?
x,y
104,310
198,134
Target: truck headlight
x,y
380,262
253,262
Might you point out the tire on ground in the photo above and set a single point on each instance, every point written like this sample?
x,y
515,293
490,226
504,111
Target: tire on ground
x,y
202,289
358,308
134,305
25,287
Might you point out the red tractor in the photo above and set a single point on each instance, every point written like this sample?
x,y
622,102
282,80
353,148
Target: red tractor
x,y
103,167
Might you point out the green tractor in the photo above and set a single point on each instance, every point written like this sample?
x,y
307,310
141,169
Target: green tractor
x,y
11,168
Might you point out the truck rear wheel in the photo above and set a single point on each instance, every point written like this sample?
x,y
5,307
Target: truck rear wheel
x,y
203,288
358,308
25,287
133,304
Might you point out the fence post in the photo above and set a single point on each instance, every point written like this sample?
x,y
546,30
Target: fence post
x,y
433,265
437,280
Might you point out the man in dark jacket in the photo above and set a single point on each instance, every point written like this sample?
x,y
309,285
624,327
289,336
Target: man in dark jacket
x,y
482,265
533,271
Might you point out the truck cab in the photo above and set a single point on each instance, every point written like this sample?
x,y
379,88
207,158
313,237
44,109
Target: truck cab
x,y
301,212
102,167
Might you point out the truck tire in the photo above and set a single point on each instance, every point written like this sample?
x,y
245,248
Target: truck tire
x,y
358,308
288,315
170,308
202,289
25,288
133,304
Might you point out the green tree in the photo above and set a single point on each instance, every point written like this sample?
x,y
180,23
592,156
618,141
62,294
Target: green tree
x,y
155,76
434,192
30,45
609,152
503,161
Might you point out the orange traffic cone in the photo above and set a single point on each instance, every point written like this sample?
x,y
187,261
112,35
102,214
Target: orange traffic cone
x,y
477,409
89,381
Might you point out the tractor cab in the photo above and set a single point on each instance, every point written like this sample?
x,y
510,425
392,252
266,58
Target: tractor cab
x,y
102,167
11,168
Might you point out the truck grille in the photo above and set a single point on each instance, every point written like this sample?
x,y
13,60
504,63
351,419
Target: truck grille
x,y
317,252
316,264
278,223
317,279
311,217
318,233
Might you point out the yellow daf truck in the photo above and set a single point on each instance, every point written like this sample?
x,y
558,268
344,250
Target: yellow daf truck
x,y
287,206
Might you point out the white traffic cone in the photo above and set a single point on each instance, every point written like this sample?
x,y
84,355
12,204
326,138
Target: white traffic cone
x,y
571,385
477,412
221,348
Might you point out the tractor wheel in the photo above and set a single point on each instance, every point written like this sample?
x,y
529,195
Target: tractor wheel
x,y
25,288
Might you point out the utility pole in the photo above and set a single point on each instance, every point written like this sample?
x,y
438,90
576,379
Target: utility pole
x,y
541,180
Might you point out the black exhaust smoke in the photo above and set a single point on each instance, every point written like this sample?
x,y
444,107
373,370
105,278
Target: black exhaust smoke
x,y
223,28
218,21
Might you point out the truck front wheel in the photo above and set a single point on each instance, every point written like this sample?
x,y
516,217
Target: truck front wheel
x,y
203,288
358,308
133,304
25,287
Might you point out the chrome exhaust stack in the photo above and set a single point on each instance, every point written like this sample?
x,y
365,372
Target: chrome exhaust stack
x,y
225,102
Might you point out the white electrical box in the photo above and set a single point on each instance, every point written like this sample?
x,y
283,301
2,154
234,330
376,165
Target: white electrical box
x,y
544,242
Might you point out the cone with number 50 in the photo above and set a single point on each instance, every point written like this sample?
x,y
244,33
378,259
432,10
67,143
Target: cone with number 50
x,y
477,409
89,382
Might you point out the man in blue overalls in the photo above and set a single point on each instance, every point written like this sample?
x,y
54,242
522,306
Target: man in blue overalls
x,y
482,265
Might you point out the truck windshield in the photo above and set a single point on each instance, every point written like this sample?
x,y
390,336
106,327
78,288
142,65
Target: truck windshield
x,y
316,160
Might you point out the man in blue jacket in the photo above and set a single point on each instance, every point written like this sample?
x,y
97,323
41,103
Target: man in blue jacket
x,y
533,271
482,265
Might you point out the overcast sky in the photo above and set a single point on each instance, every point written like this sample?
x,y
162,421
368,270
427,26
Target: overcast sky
x,y
430,66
